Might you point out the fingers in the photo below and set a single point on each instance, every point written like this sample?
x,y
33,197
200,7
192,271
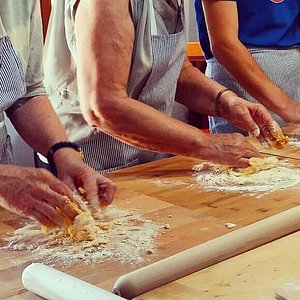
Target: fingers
x,y
263,141
70,183
273,136
100,191
107,191
249,123
243,161
36,215
54,183
270,130
43,193
44,213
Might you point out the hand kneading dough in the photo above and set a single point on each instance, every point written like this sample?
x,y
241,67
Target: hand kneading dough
x,y
86,225
256,165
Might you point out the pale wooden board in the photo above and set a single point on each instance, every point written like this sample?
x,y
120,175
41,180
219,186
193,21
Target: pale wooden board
x,y
291,130
257,274
198,216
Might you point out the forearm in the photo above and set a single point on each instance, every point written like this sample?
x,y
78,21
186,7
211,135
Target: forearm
x,y
196,91
251,76
38,124
142,126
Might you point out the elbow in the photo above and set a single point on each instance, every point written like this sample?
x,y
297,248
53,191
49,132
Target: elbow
x,y
223,49
100,109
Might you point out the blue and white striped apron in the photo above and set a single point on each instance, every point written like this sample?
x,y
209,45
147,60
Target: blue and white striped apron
x,y
282,66
12,87
105,153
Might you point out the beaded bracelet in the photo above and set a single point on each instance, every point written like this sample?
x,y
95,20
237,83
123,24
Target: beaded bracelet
x,y
217,103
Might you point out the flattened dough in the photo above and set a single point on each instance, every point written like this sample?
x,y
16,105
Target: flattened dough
x,y
256,165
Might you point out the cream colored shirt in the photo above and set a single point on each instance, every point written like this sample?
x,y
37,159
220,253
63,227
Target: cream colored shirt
x,y
22,22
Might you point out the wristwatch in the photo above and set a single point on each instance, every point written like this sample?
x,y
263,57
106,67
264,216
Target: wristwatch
x,y
57,146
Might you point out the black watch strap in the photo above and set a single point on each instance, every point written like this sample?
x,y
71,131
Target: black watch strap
x,y
57,146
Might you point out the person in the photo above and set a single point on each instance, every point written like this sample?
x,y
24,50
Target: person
x,y
113,70
253,49
31,192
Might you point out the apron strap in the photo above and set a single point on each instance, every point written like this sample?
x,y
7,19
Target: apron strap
x,y
2,29
152,18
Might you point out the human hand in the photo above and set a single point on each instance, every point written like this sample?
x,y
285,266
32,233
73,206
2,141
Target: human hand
x,y
99,190
229,149
272,135
37,194
251,117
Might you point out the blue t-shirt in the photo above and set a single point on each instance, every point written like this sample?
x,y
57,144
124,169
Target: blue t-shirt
x,y
262,23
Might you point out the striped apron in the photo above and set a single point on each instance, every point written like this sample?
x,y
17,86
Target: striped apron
x,y
12,87
282,66
105,153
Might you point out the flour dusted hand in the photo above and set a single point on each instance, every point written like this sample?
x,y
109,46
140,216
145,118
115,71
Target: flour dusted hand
x,y
99,190
229,149
37,194
251,117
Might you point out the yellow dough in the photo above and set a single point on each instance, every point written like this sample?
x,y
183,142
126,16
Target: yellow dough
x,y
258,164
86,225
280,139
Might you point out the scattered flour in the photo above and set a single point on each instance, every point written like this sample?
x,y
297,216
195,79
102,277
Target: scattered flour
x,y
283,175
295,142
171,183
122,235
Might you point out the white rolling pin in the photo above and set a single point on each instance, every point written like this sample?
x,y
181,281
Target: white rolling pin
x,y
52,284
207,254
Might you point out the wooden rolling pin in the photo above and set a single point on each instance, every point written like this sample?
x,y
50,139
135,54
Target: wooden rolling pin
x,y
207,254
52,284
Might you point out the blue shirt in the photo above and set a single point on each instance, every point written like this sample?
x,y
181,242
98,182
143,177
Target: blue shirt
x,y
262,23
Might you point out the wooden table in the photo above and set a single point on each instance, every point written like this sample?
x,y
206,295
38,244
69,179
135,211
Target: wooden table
x,y
257,274
158,190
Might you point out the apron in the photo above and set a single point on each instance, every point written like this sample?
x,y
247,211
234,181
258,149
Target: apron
x,y
105,153
282,66
12,87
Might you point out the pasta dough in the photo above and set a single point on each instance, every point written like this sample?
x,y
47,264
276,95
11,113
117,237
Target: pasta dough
x,y
86,225
280,139
256,165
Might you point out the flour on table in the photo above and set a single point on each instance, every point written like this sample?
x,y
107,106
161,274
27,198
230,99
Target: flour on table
x,y
295,142
119,234
261,177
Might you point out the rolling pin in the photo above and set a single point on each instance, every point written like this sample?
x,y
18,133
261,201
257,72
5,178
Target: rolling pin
x,y
207,254
52,284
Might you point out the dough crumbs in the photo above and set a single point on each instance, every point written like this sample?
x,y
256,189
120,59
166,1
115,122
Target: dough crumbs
x,y
167,226
230,225
262,176
280,139
117,234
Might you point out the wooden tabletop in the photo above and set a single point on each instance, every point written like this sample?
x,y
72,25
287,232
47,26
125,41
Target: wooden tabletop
x,y
157,190
259,274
